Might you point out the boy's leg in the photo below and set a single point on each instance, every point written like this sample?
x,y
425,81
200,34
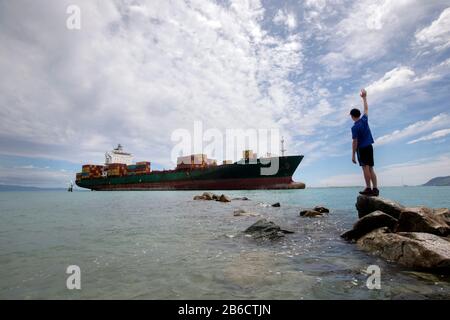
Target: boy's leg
x,y
367,175
373,177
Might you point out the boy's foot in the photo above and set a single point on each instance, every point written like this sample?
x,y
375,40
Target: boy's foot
x,y
366,192
376,192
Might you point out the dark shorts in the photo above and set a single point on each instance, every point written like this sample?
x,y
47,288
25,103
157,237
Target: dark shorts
x,y
365,156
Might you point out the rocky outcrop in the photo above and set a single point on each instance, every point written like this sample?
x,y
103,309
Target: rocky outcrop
x,y
410,249
276,205
366,205
368,223
212,196
321,209
243,213
264,229
413,237
310,214
207,196
423,220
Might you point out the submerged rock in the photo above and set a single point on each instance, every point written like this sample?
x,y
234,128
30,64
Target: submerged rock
x,y
276,205
366,205
368,223
223,198
321,209
410,249
243,213
423,220
241,198
310,213
264,229
199,198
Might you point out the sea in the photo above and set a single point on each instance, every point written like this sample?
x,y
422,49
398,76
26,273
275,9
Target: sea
x,y
165,245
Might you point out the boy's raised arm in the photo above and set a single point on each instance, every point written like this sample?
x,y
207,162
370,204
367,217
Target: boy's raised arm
x,y
363,95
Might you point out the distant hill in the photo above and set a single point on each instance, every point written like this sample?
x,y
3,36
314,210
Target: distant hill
x,y
5,187
438,182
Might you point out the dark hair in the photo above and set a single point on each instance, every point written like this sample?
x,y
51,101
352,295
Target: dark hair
x,y
355,113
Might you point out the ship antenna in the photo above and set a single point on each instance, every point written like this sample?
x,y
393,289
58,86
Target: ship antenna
x,y
283,150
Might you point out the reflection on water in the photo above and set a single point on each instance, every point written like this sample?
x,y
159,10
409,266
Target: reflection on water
x,y
164,245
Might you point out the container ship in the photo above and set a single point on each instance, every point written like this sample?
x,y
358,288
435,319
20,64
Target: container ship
x,y
193,172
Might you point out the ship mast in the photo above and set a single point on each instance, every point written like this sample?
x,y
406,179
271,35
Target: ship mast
x,y
283,150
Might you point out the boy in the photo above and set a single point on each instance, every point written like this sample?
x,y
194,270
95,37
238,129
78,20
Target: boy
x,y
362,146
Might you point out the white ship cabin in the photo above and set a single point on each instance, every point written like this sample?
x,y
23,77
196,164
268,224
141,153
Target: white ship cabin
x,y
117,155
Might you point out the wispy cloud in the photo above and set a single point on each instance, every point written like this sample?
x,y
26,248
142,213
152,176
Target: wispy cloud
x,y
415,129
435,135
437,35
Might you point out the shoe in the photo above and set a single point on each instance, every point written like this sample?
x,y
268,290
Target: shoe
x,y
366,192
376,192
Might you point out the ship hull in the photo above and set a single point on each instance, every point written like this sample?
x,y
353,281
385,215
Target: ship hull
x,y
237,176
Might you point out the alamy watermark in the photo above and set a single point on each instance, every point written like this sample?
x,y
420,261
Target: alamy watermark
x,y
374,279
73,22
229,144
74,280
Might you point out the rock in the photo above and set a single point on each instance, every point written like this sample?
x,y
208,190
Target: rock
x,y
321,209
215,197
223,198
276,205
444,213
241,198
243,213
366,205
366,224
207,195
199,198
264,229
423,220
410,249
310,214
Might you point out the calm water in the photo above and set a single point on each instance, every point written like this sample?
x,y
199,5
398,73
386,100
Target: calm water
x,y
164,245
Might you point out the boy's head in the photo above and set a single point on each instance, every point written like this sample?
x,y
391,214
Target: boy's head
x,y
355,114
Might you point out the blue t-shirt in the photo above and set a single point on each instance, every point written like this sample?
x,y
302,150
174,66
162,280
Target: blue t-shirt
x,y
361,131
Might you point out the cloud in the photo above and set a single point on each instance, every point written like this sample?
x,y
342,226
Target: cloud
x,y
415,129
437,34
287,19
397,77
133,74
369,31
411,173
435,135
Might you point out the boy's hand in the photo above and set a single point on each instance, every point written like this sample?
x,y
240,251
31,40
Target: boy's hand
x,y
363,93
354,159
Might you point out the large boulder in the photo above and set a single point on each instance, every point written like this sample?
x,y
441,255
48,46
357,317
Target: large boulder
x,y
366,205
423,219
443,213
321,209
310,214
368,223
410,249
199,198
264,229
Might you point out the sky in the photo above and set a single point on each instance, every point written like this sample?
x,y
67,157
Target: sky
x,y
136,71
